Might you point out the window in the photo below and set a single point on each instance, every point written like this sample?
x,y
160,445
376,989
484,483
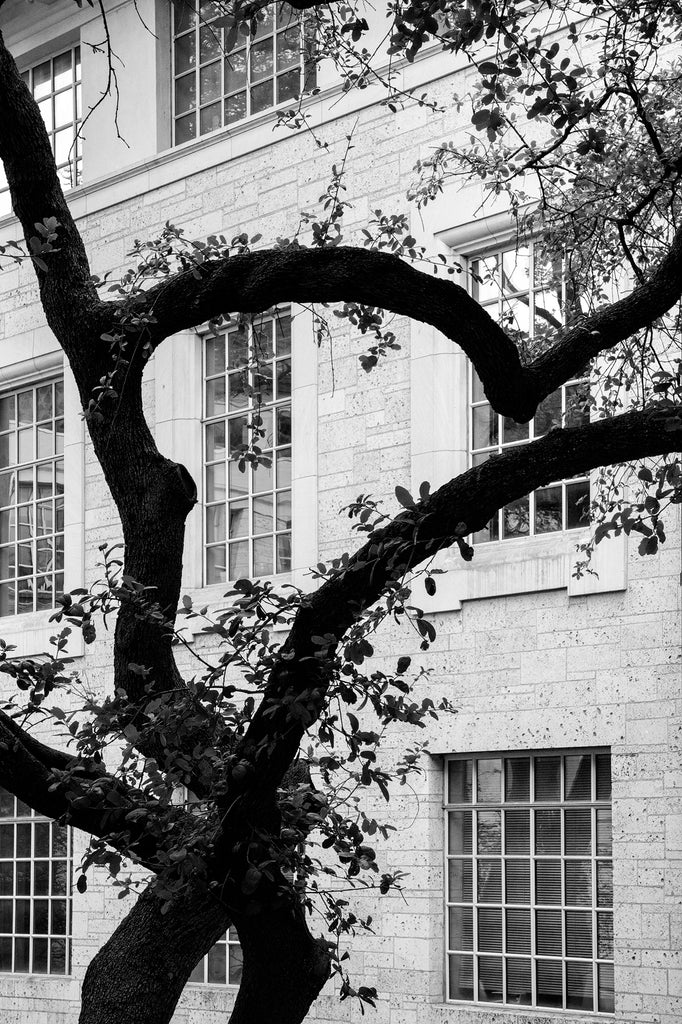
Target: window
x,y
222,965
217,85
247,375
529,880
528,296
35,887
31,497
55,84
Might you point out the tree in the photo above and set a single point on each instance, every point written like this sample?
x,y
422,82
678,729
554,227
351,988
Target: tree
x,y
606,157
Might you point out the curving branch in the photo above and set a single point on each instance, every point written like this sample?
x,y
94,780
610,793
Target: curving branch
x,y
257,281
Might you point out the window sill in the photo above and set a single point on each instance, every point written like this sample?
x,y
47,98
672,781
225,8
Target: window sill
x,y
527,565
538,1014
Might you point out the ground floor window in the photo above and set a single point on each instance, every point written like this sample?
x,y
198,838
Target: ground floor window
x,y
222,965
35,891
529,880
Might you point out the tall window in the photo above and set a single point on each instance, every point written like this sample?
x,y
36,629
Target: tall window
x,y
56,86
528,297
35,888
222,965
248,401
218,85
31,497
529,880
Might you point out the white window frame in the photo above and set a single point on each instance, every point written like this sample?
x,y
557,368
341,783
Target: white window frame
x,y
277,490
495,305
69,169
178,390
219,59
224,957
477,806
29,632
26,822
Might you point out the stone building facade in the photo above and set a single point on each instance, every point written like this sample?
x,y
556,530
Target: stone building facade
x,y
565,752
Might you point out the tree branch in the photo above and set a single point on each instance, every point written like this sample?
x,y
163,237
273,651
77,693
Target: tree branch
x,y
257,281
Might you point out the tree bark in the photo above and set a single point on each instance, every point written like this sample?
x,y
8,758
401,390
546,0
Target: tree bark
x,y
284,967
139,974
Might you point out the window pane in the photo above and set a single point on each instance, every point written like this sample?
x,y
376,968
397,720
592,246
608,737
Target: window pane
x,y
461,934
579,992
490,979
490,930
518,931
578,882
579,933
459,881
548,939
459,781
548,881
461,977
578,832
517,831
517,779
547,778
489,780
548,831
459,832
517,874
489,832
548,980
490,881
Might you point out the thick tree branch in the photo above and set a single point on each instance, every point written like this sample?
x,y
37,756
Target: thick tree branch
x,y
256,281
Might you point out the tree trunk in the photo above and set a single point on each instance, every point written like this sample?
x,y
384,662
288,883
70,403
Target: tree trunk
x,y
284,967
139,974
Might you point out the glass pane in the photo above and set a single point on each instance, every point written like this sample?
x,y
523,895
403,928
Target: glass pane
x,y
603,764
21,961
236,959
460,977
579,992
517,831
215,482
548,881
489,780
283,378
577,404
605,989
518,931
210,118
604,832
548,831
459,881
489,837
63,70
517,875
283,542
548,932
217,964
235,108
485,280
24,840
578,883
262,556
578,769
548,510
548,981
288,47
547,778
490,930
284,468
516,519
489,979
517,779
185,93
41,877
261,478
215,441
261,60
215,355
40,917
261,97
235,71
489,881
238,519
6,879
63,109
459,781
42,84
461,934
215,564
485,423
288,86
210,85
239,481
578,831
239,559
185,129
185,58
577,504
210,43
284,426
459,832
283,511
604,883
215,524
579,933
58,917
238,433
215,397
513,431
197,975
519,989
548,415
237,395
58,956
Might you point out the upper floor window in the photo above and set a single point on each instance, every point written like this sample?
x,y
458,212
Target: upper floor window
x,y
214,85
31,497
35,880
528,296
247,396
56,86
529,880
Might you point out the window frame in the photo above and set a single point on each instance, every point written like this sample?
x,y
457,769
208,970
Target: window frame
x,y
25,816
476,455
531,857
56,574
73,163
277,451
220,58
